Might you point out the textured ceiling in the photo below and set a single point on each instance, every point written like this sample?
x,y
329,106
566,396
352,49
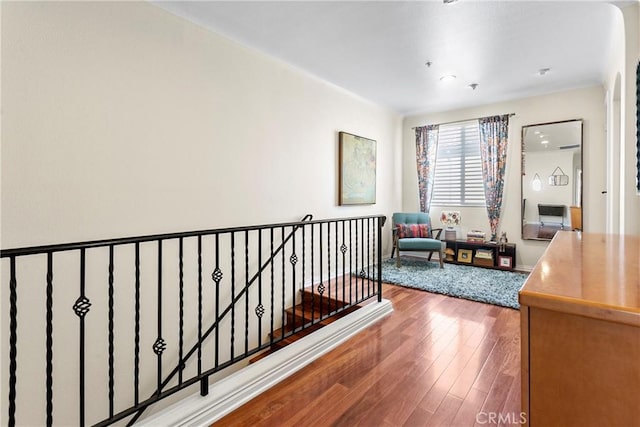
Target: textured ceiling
x,y
378,50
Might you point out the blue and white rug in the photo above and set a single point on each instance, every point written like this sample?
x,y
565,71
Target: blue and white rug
x,y
496,287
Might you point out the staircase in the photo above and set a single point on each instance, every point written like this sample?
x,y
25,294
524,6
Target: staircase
x,y
315,248
314,311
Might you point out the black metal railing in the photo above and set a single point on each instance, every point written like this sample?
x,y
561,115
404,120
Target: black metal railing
x,y
149,322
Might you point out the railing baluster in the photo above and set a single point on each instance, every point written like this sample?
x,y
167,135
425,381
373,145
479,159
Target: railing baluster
x,y
321,285
259,290
283,284
246,293
313,277
351,263
13,340
217,278
136,350
233,293
292,260
81,307
374,254
363,261
336,259
110,316
181,308
204,380
159,346
273,309
199,356
368,256
328,269
356,272
379,279
344,262
49,338
302,293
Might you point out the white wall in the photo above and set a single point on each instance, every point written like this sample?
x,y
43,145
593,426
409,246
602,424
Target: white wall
x,y
586,104
120,119
621,120
613,94
631,196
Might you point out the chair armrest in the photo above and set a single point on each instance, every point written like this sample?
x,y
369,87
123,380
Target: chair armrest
x,y
439,232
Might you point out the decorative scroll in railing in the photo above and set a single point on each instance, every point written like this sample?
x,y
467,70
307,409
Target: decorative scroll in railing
x,y
98,331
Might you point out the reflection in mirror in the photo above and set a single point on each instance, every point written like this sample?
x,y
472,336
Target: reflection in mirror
x,y
551,179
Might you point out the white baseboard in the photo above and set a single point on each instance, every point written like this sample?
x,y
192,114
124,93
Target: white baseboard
x,y
235,390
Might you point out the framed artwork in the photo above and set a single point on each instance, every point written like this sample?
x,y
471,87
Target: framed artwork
x,y
357,167
505,262
465,255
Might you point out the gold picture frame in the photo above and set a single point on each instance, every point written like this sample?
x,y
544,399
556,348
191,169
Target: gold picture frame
x,y
465,255
357,169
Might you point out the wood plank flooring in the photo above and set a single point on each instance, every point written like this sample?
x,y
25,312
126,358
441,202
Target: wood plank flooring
x,y
435,361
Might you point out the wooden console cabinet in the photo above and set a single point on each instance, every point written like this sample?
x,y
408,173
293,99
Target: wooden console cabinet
x,y
580,324
509,252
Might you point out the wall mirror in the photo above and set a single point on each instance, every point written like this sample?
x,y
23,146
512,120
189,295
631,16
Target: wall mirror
x,y
551,179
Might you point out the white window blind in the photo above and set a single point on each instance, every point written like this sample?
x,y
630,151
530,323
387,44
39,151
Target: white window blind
x,y
458,176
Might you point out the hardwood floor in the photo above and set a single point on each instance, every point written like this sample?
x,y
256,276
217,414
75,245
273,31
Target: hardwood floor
x,y
435,361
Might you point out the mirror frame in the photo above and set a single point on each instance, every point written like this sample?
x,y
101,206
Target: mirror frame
x,y
522,175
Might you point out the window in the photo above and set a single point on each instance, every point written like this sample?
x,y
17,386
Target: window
x,y
458,175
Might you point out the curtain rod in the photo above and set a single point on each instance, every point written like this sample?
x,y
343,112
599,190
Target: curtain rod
x,y
457,121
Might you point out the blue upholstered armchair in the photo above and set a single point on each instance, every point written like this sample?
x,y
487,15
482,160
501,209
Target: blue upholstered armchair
x,y
413,232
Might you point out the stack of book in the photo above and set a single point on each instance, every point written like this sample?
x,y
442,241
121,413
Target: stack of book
x,y
484,257
475,236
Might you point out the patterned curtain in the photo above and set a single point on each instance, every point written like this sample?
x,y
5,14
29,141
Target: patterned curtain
x,y
493,149
426,148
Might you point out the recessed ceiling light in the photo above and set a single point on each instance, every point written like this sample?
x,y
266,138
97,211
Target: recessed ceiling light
x,y
537,132
544,142
447,78
543,71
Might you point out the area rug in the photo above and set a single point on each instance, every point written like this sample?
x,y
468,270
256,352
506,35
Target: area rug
x,y
496,287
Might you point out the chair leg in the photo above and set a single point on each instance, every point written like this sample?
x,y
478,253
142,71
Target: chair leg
x,y
441,259
398,259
